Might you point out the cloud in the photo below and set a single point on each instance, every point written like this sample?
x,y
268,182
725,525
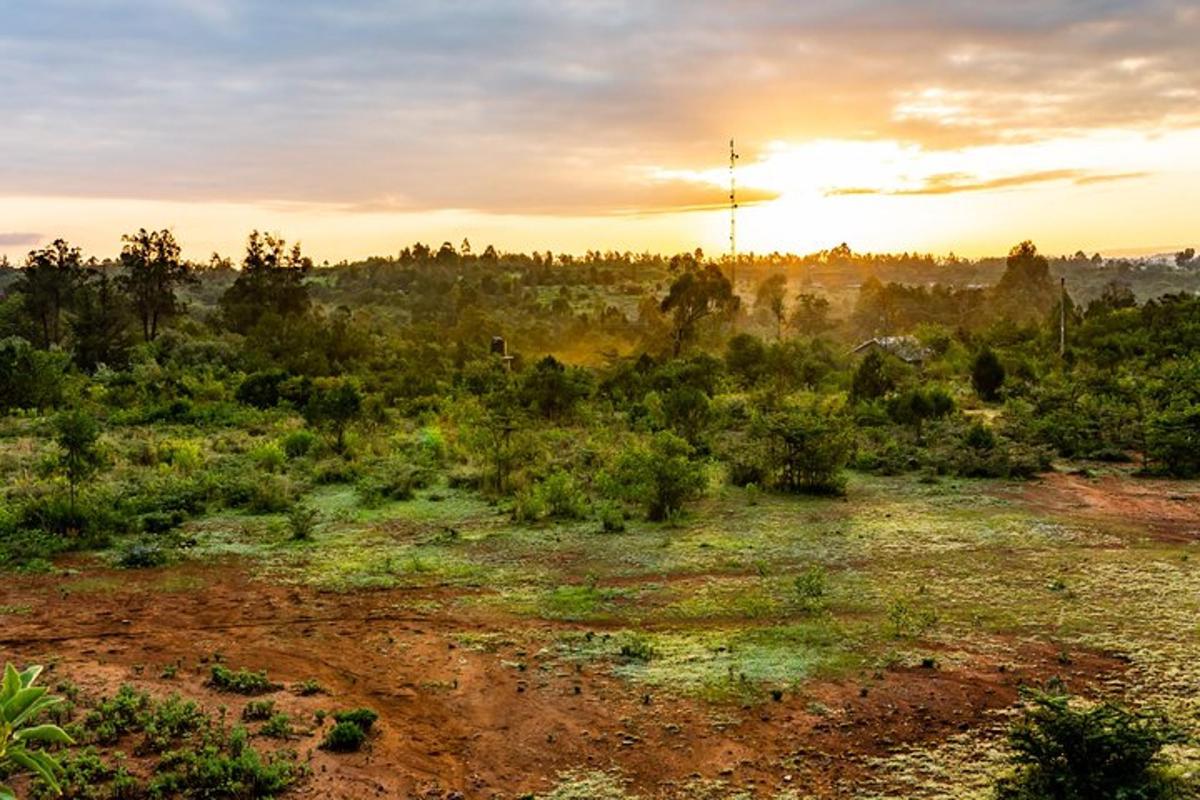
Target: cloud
x,y
957,182
19,239
547,105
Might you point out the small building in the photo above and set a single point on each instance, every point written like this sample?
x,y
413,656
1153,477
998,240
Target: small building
x,y
906,348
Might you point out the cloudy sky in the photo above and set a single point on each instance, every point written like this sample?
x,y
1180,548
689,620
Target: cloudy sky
x,y
358,126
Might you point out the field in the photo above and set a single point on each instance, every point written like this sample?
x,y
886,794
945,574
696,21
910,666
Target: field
x,y
761,645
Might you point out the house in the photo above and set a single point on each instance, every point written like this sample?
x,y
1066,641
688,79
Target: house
x,y
906,348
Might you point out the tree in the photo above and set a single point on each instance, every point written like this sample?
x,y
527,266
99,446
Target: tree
x,y
47,286
334,404
100,329
746,358
271,282
29,378
987,374
76,433
872,379
810,314
693,296
1025,290
806,447
915,406
772,297
21,703
552,389
660,475
1184,257
153,271
1116,295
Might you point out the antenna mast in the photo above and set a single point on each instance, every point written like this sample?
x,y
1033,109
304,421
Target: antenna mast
x,y
733,157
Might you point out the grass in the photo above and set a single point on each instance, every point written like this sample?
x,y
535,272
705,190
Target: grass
x,y
958,567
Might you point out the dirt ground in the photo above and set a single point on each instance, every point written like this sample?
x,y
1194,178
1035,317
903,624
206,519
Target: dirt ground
x,y
1168,510
459,720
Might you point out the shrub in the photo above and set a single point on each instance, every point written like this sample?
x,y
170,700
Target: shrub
x,y
806,448
242,681
279,726
344,737
661,475
987,375
908,620
141,555
169,720
362,717
302,521
298,444
612,518
268,457
258,710
637,647
1061,751
811,586
308,687
562,496
392,480
271,494
235,771
114,717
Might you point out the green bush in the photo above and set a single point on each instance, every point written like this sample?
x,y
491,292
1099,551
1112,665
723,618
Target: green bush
x,y
258,710
612,518
279,726
660,475
391,480
1065,751
811,586
637,647
298,444
141,555
268,457
362,717
562,497
805,449
241,681
302,521
344,737
233,771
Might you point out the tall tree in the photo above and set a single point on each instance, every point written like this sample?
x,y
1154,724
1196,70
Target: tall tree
x,y
810,314
1025,291
271,281
693,296
772,296
100,327
47,286
153,271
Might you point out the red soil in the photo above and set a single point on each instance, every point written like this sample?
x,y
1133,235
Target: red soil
x,y
458,721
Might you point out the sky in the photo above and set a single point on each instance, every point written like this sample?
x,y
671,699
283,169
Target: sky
x,y
360,126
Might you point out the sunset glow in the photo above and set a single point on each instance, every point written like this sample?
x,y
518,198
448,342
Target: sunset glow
x,y
361,127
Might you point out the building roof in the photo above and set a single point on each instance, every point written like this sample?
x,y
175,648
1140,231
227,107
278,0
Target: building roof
x,y
905,348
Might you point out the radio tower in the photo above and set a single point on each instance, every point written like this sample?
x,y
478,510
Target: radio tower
x,y
733,157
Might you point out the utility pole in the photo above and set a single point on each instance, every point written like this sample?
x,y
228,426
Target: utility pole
x,y
733,157
1062,317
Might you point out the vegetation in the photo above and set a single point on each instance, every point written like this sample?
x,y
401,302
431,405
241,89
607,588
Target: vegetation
x,y
356,426
21,740
1064,752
